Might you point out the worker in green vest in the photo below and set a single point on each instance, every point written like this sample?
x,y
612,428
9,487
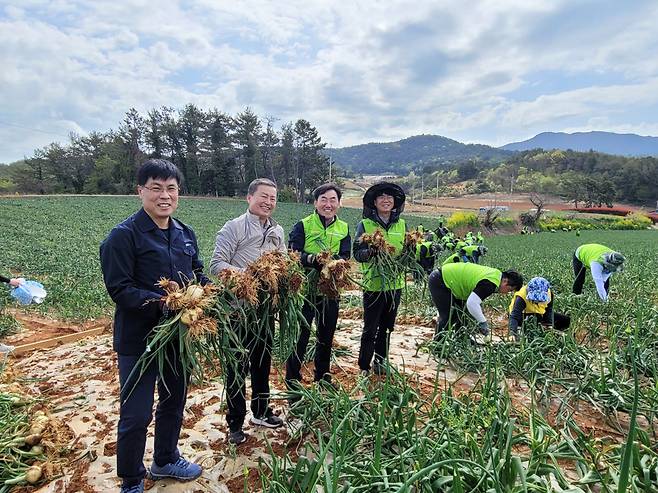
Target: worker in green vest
x,y
425,256
469,253
466,285
382,205
318,232
601,261
535,300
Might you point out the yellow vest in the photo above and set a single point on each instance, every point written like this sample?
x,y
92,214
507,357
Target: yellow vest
x,y
530,306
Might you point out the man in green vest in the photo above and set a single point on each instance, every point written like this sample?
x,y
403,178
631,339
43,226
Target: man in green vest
x,y
425,256
601,261
320,231
382,205
466,285
469,253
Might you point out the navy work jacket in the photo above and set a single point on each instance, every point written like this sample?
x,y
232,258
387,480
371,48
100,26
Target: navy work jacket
x,y
134,256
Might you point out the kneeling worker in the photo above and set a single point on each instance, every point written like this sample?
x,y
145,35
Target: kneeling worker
x,y
459,284
535,300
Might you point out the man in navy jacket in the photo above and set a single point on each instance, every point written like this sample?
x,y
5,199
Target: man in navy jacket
x,y
149,245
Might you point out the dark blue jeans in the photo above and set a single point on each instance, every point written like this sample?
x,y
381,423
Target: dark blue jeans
x,y
136,413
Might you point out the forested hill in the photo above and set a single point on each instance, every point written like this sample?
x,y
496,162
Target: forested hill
x,y
412,153
606,142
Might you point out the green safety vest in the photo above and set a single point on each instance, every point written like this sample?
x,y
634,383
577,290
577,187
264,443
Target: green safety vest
x,y
456,257
428,245
592,252
462,278
372,281
317,238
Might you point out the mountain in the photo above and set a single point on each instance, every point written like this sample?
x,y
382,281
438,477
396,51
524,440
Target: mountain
x,y
607,142
414,152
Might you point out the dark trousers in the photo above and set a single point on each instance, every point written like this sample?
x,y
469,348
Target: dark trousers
x,y
560,321
580,272
444,302
379,311
136,412
257,362
327,317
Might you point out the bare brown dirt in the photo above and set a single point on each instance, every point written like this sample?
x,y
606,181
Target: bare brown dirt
x,y
514,202
37,327
80,380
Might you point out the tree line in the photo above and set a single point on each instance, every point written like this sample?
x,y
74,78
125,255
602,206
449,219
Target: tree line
x,y
218,154
583,178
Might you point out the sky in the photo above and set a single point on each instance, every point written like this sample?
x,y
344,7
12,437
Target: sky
x,y
477,71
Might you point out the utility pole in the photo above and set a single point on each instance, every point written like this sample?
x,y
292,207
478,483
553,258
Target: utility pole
x,y
329,163
422,188
437,190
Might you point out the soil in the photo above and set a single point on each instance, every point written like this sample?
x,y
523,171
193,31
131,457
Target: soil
x,y
37,327
517,202
81,383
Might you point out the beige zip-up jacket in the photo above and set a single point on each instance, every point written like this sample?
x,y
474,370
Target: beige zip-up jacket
x,y
243,240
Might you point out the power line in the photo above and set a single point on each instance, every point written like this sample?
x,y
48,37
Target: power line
x,y
31,129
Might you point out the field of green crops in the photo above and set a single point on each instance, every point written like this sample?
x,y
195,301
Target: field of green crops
x,y
573,411
56,240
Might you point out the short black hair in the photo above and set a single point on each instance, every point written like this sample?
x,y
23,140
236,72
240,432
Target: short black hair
x,y
158,168
324,188
514,279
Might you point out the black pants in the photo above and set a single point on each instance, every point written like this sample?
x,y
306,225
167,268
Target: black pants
x,y
327,317
580,272
444,301
136,412
560,321
379,311
257,362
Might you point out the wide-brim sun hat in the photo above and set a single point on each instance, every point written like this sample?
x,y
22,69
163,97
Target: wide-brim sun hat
x,y
387,188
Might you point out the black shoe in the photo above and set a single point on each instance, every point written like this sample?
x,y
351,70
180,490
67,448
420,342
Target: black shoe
x,y
270,421
237,437
379,368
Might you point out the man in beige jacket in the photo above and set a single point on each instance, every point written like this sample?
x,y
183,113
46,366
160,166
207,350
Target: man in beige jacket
x,y
240,242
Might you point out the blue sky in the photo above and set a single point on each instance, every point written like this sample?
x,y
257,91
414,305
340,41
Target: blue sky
x,y
486,71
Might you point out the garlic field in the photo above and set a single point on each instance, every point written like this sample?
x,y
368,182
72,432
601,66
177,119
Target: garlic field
x,y
557,411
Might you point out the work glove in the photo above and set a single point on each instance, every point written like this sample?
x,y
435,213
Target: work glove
x,y
483,328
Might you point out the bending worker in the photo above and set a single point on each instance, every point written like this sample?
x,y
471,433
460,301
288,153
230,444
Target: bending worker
x,y
470,253
465,284
535,300
601,261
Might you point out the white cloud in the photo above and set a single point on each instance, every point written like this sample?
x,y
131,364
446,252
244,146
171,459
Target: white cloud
x,y
488,71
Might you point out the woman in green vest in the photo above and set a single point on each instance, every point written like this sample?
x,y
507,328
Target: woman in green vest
x,y
601,261
469,253
316,233
535,300
466,285
382,205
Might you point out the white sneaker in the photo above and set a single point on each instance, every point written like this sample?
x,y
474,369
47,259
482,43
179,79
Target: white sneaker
x,y
6,349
